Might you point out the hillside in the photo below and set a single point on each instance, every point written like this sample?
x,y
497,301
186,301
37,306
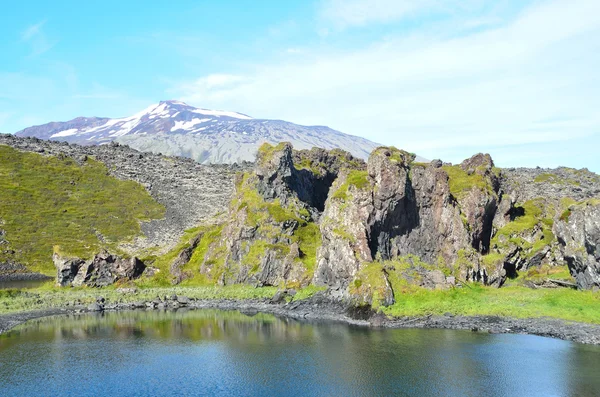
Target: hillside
x,y
369,230
174,128
41,179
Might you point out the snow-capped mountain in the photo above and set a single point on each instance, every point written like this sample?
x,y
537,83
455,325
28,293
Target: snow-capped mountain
x,y
208,136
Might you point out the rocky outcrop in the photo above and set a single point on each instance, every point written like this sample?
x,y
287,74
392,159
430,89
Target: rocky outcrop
x,y
366,229
578,233
398,208
270,236
102,270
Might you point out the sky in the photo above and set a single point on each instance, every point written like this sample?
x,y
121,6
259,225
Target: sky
x,y
443,78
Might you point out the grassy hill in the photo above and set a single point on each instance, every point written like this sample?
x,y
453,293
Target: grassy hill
x,y
50,201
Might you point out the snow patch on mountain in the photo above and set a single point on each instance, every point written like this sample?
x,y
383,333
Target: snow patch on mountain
x,y
68,132
208,136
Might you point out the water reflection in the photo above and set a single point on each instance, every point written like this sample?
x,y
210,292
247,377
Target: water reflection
x,y
22,284
228,353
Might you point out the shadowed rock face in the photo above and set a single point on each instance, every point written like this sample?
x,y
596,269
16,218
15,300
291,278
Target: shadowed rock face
x,y
401,210
267,237
579,234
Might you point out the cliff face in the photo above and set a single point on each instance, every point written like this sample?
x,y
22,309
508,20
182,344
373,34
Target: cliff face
x,y
364,229
578,233
325,218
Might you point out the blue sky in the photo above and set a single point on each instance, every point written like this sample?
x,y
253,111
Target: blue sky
x,y
443,78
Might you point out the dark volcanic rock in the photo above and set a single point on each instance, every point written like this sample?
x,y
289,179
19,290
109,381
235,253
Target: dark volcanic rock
x,y
578,233
102,270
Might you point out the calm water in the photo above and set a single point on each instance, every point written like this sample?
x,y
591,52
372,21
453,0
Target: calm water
x,y
20,284
227,353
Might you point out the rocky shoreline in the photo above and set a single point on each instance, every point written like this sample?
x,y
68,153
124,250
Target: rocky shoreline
x,y
322,308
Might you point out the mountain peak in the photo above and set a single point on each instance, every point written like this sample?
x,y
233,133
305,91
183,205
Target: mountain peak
x,y
173,127
174,102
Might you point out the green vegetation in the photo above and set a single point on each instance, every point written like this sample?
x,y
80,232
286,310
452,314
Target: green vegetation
x,y
397,155
356,178
338,231
266,151
510,301
53,201
535,215
461,182
555,179
267,217
542,273
306,164
403,274
369,284
49,296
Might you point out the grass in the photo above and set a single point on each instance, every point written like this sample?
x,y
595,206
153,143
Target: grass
x,y
535,215
355,178
510,301
261,213
461,182
317,169
266,151
397,155
474,300
53,201
49,296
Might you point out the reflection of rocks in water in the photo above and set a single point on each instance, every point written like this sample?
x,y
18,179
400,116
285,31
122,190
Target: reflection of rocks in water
x,y
264,355
194,325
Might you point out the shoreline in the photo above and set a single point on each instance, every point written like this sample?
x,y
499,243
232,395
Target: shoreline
x,y
326,310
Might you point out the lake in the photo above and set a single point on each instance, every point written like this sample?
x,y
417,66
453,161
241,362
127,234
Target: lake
x,y
212,353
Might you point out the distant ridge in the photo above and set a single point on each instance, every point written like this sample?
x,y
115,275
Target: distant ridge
x,y
207,136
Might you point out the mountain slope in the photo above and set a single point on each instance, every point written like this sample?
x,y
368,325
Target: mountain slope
x,y
207,136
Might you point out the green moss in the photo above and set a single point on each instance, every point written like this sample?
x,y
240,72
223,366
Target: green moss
x,y
52,201
307,292
461,182
544,272
551,178
308,237
266,151
555,179
258,250
317,169
533,215
356,178
338,231
397,155
492,260
369,284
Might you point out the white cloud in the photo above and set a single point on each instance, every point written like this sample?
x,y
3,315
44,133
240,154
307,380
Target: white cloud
x,y
437,94
35,37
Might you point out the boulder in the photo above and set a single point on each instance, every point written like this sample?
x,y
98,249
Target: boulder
x,y
102,270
